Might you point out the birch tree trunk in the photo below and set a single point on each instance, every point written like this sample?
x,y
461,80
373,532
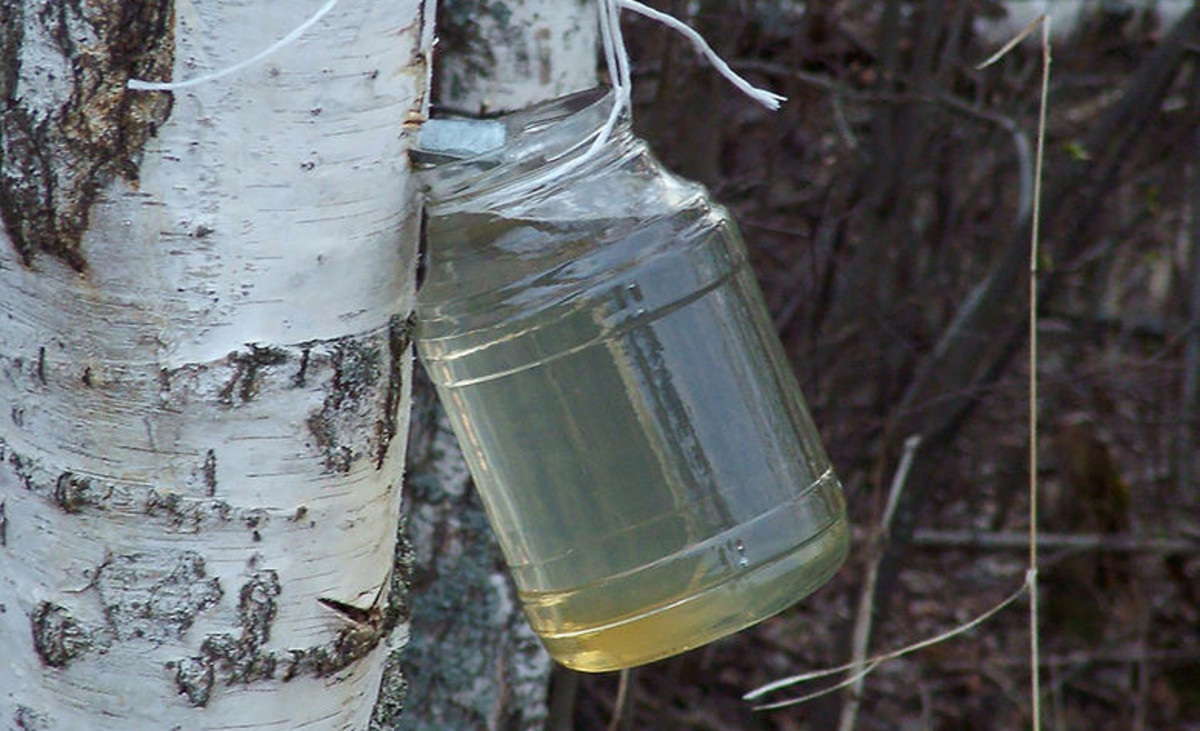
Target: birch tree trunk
x,y
204,361
473,662
500,55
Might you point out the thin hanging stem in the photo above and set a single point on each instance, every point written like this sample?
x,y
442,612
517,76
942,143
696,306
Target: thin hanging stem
x,y
1034,256
861,667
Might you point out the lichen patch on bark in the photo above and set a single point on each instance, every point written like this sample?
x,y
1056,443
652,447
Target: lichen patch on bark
x,y
58,638
73,493
359,415
235,660
243,659
393,688
68,124
155,600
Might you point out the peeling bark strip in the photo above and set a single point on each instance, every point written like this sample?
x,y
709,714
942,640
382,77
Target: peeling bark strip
x,y
58,149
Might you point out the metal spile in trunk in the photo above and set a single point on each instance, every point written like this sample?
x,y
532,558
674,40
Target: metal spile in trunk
x,y
633,427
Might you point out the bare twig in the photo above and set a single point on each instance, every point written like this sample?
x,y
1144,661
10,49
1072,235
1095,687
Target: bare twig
x,y
1117,655
622,696
839,91
563,694
1185,454
1141,702
1041,20
1034,255
866,604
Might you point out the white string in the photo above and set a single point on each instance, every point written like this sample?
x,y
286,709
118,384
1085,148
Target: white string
x,y
768,99
616,58
141,85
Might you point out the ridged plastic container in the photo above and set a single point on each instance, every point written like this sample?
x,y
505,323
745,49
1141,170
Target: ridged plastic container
x,y
625,407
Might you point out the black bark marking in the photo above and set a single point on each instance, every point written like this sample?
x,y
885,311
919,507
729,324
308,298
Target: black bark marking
x,y
187,515
27,719
247,371
257,607
399,339
74,494
57,151
210,472
241,660
194,678
355,642
185,507
299,380
255,519
22,468
338,457
41,365
3,525
349,646
57,638
146,600
235,660
355,372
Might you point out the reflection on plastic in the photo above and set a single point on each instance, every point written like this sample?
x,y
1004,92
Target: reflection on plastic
x,y
625,407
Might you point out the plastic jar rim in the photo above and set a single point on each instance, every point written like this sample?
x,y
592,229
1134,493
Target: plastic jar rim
x,y
535,137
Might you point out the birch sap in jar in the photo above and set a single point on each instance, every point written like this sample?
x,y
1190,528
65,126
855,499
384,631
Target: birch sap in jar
x,y
626,410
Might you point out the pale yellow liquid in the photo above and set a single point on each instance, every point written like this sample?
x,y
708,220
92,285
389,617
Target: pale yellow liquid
x,y
580,638
644,455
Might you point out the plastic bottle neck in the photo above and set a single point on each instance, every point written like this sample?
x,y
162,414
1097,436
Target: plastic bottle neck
x,y
531,151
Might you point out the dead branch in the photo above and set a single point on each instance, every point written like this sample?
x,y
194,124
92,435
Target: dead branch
x,y
1109,543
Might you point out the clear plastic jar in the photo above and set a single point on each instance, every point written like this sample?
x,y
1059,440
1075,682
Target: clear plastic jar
x,y
627,412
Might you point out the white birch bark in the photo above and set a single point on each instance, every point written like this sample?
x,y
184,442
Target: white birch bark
x,y
204,362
